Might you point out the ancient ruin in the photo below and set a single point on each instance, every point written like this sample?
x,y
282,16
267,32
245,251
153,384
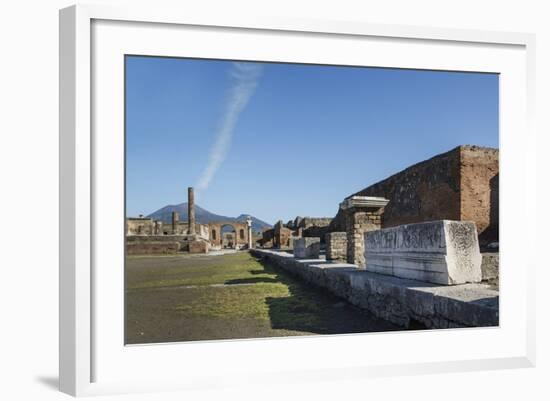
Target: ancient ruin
x,y
424,241
460,185
147,236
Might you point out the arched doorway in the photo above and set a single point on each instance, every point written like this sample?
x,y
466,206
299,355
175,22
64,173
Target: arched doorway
x,y
228,234
228,237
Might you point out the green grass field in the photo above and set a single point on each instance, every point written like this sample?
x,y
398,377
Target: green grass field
x,y
207,297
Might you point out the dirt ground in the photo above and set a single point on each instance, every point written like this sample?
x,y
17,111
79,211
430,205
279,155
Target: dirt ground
x,y
209,297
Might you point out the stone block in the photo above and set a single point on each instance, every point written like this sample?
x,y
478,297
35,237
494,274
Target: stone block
x,y
307,248
489,265
198,247
441,252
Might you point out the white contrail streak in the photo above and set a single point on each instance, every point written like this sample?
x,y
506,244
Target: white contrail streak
x,y
245,78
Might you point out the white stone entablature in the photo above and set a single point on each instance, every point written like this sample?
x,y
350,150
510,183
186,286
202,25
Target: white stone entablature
x,y
369,202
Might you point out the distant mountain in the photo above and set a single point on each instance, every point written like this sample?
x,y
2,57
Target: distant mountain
x,y
204,216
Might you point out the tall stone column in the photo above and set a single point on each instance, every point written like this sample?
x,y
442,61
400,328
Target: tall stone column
x,y
249,231
191,210
175,219
362,214
158,227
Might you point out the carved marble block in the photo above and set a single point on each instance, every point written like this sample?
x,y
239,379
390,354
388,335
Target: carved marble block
x,y
442,252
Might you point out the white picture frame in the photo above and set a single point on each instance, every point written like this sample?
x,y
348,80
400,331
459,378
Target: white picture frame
x,y
83,352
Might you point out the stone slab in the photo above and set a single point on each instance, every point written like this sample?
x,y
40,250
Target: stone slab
x,y
441,252
307,248
364,202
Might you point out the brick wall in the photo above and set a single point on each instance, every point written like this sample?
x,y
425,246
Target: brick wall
x,y
429,190
479,190
461,184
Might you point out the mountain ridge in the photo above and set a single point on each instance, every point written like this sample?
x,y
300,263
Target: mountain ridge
x,y
204,216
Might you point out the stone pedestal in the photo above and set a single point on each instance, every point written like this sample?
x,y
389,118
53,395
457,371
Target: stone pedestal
x,y
307,248
441,252
362,214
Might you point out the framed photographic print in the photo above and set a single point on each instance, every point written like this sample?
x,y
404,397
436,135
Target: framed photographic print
x,y
282,198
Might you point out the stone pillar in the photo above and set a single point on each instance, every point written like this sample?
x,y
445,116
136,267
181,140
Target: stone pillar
x,y
191,210
175,219
362,214
336,246
249,231
158,227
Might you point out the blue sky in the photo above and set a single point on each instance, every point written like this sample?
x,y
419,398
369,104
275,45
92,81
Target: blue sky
x,y
281,140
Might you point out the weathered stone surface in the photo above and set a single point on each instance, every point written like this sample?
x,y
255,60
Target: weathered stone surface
x,y
408,303
307,247
361,214
198,246
442,252
312,227
183,242
370,203
191,210
140,226
152,247
489,265
336,246
175,221
479,190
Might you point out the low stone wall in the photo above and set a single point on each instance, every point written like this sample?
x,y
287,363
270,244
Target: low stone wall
x,y
407,303
183,241
307,247
441,252
152,247
156,238
336,246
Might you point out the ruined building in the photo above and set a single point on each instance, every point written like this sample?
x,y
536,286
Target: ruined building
x,y
147,236
461,184
282,235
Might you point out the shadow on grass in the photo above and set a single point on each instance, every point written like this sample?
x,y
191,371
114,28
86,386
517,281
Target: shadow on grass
x,y
268,270
253,280
311,309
